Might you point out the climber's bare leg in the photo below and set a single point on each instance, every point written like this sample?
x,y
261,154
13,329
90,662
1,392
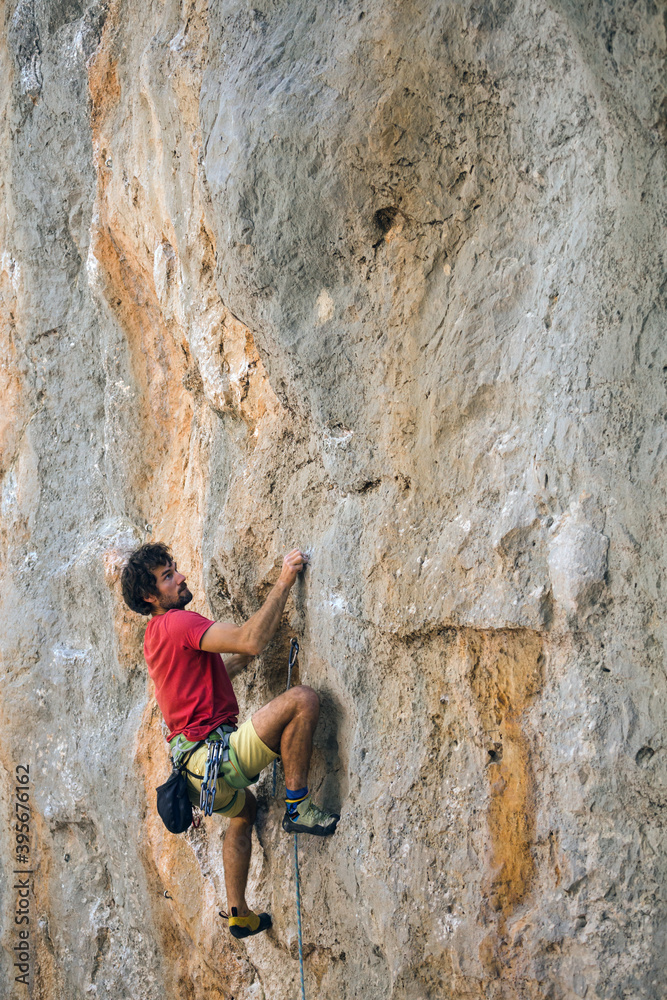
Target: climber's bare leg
x,y
236,855
286,726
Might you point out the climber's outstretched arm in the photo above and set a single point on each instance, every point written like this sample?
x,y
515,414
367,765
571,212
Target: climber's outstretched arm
x,y
251,638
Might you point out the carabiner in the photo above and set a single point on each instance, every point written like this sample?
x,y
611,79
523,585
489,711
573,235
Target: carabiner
x,y
293,653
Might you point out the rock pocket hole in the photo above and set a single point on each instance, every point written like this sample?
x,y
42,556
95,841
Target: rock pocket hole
x,y
495,753
643,756
370,484
386,217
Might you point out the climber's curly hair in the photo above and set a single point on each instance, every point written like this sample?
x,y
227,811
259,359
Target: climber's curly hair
x,y
137,580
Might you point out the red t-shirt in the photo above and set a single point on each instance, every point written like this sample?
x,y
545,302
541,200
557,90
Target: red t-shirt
x,y
192,687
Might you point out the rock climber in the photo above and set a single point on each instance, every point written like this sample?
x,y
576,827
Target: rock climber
x,y
194,692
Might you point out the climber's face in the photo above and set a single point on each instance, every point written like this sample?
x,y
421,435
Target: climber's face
x,y
172,589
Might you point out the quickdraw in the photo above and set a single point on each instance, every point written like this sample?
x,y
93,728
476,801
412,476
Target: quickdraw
x,y
293,653
218,753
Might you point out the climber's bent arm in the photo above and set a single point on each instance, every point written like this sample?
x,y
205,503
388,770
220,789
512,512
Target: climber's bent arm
x,y
251,638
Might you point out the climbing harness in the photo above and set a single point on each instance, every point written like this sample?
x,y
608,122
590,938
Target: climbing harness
x,y
173,800
293,653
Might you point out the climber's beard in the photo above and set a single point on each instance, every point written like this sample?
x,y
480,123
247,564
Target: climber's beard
x,y
170,603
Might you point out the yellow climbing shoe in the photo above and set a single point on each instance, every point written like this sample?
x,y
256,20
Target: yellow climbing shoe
x,y
252,923
310,819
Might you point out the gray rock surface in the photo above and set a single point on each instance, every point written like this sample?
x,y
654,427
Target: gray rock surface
x,y
385,281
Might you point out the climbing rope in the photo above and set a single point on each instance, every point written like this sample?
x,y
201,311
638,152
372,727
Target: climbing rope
x,y
298,913
293,653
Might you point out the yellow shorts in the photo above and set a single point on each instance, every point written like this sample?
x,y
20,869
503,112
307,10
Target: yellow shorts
x,y
253,756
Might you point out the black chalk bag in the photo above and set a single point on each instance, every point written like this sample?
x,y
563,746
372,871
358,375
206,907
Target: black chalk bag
x,y
173,803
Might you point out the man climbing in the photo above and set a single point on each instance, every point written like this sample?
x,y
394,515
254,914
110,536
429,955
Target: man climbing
x,y
194,693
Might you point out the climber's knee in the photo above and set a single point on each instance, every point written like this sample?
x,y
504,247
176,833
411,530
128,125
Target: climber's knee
x,y
306,700
249,811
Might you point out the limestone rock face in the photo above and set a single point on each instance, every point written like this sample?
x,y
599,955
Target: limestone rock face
x,y
384,281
